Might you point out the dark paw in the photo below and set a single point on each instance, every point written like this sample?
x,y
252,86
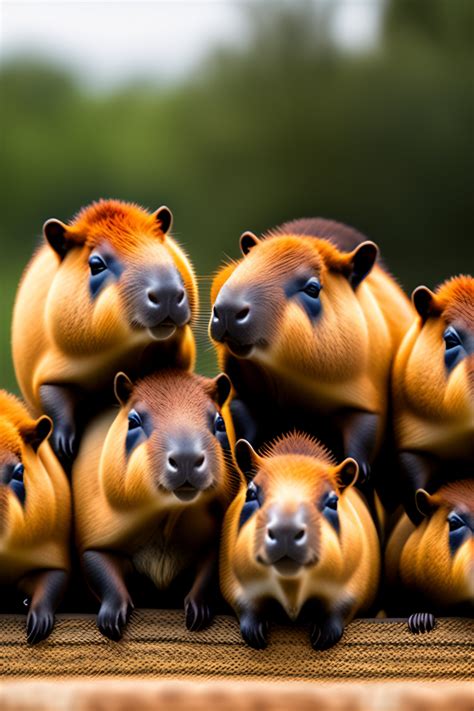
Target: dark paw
x,y
197,613
112,618
39,623
64,442
421,622
326,634
254,631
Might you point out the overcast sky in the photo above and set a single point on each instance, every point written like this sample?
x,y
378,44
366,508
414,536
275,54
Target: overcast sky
x,y
110,41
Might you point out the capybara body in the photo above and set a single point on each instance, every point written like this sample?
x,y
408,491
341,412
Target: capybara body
x,y
150,486
35,515
298,536
430,566
110,291
306,325
433,390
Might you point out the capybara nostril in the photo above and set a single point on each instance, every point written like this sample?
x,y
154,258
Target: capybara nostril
x,y
299,535
172,463
152,295
180,297
271,534
242,314
215,314
199,463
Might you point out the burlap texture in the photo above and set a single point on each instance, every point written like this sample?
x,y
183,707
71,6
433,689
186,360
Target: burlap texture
x,y
156,644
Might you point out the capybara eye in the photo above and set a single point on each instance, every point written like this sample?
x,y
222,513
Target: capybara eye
x,y
134,420
330,502
252,492
451,337
312,288
455,522
18,472
96,264
219,424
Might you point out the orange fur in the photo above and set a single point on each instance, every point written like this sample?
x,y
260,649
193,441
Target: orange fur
x,y
418,557
292,474
36,535
433,408
63,336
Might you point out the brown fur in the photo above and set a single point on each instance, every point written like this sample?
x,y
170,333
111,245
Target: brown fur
x,y
62,336
35,536
418,558
433,409
340,572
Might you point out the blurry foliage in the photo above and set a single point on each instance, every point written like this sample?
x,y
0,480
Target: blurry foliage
x,y
287,126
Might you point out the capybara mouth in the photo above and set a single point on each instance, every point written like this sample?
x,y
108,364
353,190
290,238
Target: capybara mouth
x,y
287,566
164,330
186,493
239,350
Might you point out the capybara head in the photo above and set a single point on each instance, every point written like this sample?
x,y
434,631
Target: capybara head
x,y
289,511
169,440
119,270
290,301
440,552
20,437
437,372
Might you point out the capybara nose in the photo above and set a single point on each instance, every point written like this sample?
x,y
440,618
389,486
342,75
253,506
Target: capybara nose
x,y
165,299
285,538
231,318
187,467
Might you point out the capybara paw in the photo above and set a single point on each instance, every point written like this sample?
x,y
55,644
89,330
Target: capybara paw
x,y
63,441
326,634
39,624
112,618
198,614
421,622
254,631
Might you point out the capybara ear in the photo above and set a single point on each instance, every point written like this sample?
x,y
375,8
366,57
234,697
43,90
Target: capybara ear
x,y
424,301
221,388
247,459
347,473
123,387
56,233
247,241
165,218
37,431
362,260
424,502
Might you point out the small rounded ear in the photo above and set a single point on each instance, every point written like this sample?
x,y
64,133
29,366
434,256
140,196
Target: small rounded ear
x,y
424,502
362,260
221,388
55,233
424,301
347,473
165,217
246,458
123,387
247,241
38,431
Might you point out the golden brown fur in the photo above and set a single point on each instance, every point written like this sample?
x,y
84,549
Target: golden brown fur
x,y
419,563
63,336
37,535
340,571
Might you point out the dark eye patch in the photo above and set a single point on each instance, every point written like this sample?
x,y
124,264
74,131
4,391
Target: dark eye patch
x,y
139,429
307,291
16,483
253,501
220,431
103,268
460,527
457,346
328,506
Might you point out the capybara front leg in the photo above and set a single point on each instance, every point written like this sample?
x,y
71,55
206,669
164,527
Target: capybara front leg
x,y
60,403
105,574
359,435
45,590
199,602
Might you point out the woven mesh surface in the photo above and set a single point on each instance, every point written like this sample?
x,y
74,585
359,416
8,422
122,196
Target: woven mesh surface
x,y
156,644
